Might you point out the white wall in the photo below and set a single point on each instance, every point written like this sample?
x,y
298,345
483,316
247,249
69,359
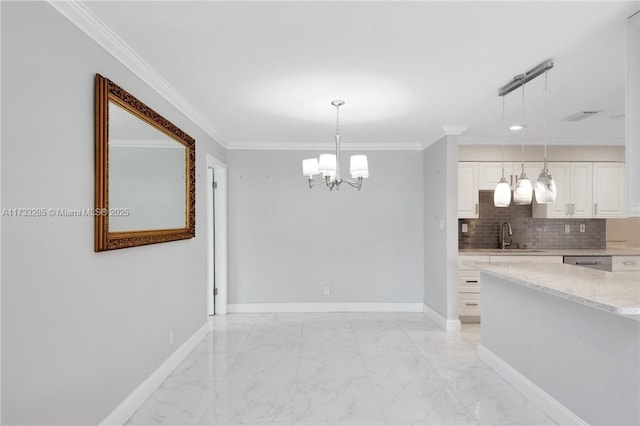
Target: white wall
x,y
440,168
80,330
287,242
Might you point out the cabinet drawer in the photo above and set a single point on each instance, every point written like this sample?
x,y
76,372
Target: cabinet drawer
x,y
469,304
525,258
469,281
625,263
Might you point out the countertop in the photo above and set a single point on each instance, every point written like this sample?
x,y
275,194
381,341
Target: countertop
x,y
626,251
615,292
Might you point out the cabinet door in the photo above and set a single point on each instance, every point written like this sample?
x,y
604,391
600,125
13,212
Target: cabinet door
x,y
581,190
468,207
489,174
561,173
608,190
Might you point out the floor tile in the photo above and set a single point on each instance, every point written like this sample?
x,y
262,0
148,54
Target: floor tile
x,y
341,401
488,397
383,367
380,340
251,402
338,366
263,366
336,369
427,401
328,340
176,402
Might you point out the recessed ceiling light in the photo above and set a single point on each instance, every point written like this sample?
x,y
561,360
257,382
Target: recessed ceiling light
x,y
517,127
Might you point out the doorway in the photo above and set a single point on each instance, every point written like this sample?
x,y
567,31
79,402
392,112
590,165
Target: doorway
x,y
216,236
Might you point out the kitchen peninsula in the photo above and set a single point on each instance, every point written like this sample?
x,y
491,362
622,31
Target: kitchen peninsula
x,y
568,337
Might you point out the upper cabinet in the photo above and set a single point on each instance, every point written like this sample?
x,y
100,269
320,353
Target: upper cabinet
x,y
468,196
608,190
585,189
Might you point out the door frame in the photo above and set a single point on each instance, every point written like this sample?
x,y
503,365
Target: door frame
x,y
216,259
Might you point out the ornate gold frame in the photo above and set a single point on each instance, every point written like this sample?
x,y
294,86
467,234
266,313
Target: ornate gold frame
x,y
107,90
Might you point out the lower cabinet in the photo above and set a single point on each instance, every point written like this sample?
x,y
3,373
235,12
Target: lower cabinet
x,y
469,278
625,263
469,289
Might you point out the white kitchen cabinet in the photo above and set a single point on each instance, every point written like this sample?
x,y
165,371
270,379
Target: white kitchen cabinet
x,y
526,258
625,263
469,288
489,173
608,190
468,202
574,191
581,190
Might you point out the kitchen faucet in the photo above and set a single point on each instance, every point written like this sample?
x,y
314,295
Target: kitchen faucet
x,y
502,240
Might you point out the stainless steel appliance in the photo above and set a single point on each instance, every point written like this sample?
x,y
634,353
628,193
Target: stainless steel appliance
x,y
602,263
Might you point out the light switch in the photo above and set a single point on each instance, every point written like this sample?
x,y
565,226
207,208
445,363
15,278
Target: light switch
x,y
465,227
582,228
441,224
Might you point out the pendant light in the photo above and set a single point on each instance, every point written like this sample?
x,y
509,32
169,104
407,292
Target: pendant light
x,y
502,193
546,190
523,192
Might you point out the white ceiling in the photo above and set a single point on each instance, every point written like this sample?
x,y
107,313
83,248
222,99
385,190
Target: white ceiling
x,y
263,73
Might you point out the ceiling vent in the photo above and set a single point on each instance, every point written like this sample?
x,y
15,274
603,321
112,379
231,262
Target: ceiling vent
x,y
580,115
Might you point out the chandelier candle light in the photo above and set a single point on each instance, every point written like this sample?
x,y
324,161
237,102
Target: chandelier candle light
x,y
329,164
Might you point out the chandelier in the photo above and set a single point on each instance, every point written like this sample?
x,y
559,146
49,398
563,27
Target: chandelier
x,y
329,164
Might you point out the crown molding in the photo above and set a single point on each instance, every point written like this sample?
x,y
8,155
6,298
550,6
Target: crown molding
x,y
300,146
465,140
454,130
82,17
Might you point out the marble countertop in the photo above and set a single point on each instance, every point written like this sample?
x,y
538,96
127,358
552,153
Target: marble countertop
x,y
626,251
615,292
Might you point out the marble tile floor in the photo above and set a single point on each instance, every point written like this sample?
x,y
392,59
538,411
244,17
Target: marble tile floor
x,y
336,369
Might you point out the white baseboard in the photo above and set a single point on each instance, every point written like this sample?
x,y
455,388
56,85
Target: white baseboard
x,y
552,407
134,401
446,324
245,308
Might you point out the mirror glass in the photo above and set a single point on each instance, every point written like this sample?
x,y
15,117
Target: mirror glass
x,y
147,175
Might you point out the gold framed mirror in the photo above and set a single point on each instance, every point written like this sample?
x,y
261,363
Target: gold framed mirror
x,y
144,173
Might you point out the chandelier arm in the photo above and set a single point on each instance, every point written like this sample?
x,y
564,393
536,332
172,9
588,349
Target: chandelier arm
x,y
356,184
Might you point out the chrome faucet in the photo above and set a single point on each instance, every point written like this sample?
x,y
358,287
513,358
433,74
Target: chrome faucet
x,y
502,240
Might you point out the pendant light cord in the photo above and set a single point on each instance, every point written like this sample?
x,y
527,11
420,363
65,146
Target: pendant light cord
x,y
522,138
545,120
503,136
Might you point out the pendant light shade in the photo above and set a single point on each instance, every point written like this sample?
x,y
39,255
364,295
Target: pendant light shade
x,y
502,194
546,191
523,192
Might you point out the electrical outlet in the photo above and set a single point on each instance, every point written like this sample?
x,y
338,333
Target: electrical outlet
x,y
171,338
441,224
582,227
465,227
567,228
327,291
